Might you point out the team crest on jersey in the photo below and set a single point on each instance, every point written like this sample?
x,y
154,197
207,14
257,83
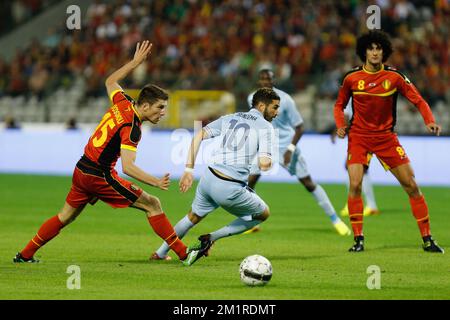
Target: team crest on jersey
x,y
386,84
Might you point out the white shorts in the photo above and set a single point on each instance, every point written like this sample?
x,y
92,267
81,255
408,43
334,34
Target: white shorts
x,y
236,198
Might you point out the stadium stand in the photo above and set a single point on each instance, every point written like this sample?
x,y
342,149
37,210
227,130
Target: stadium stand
x,y
15,13
220,45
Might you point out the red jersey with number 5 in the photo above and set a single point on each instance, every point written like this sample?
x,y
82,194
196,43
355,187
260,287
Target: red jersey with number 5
x,y
120,128
374,100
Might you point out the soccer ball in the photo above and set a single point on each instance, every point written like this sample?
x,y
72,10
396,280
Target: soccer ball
x,y
255,270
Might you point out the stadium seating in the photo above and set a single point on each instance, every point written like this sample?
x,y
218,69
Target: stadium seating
x,y
220,46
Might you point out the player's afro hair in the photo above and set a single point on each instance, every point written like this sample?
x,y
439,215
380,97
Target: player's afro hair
x,y
374,36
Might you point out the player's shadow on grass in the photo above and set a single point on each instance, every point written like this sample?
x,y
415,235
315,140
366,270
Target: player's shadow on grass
x,y
276,257
311,229
142,261
396,246
391,211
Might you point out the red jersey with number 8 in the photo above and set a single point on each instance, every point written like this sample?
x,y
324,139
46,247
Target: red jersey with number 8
x,y
374,106
374,100
120,128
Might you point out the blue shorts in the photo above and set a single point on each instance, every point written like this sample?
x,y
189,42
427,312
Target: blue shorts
x,y
236,198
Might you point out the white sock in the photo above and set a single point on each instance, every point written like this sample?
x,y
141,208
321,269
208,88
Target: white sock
x,y
235,227
367,190
324,202
181,228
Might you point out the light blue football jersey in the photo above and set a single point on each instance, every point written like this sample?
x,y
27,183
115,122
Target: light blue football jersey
x,y
242,137
288,118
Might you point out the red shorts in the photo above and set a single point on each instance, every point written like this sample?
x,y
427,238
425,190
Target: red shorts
x,y
90,184
387,148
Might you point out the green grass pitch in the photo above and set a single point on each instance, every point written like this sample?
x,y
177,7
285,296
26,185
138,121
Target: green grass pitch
x,y
310,261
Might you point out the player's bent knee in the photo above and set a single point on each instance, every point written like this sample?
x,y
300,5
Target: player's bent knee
x,y
308,183
411,187
65,219
152,204
263,216
355,186
194,218
68,214
310,187
355,192
411,184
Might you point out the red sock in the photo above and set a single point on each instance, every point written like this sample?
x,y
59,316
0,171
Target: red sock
x,y
46,232
163,228
420,211
355,212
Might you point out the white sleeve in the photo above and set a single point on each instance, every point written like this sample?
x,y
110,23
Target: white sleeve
x,y
266,138
214,128
295,119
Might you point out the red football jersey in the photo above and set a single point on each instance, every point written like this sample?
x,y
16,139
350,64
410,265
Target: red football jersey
x,y
120,128
374,100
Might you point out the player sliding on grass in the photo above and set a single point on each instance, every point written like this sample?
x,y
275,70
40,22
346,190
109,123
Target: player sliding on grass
x,y
289,124
374,88
94,177
243,137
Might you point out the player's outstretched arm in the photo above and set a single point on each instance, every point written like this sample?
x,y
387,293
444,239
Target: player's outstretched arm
x,y
297,135
410,92
142,51
188,178
131,169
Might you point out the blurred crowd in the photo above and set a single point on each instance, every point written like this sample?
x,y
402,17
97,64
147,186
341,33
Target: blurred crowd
x,y
16,12
199,44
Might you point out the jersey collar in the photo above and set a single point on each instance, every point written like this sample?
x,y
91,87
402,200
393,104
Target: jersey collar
x,y
370,72
135,112
254,110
